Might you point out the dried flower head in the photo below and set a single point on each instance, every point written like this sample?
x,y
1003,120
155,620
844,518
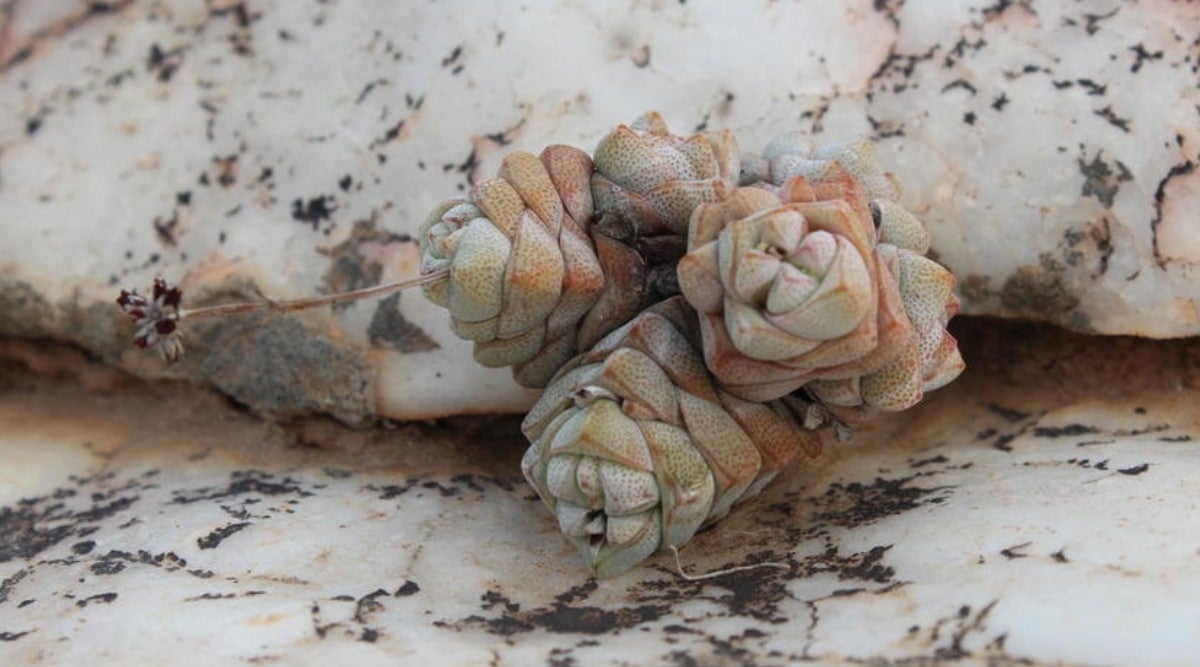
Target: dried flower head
x,y
156,318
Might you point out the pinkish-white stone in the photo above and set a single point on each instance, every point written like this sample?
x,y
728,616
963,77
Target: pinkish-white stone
x,y
289,148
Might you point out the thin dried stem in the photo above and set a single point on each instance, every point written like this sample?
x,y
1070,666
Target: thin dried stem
x,y
313,302
719,573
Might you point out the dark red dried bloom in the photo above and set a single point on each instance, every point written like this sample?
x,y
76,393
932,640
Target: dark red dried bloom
x,y
155,318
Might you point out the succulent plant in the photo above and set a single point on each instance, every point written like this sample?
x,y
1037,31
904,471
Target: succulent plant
x,y
806,302
634,448
818,282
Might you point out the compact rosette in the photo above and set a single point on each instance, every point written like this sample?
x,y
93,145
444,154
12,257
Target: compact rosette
x,y
646,184
522,270
646,174
815,278
634,448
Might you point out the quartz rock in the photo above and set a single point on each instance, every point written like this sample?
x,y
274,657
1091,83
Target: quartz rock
x,y
290,148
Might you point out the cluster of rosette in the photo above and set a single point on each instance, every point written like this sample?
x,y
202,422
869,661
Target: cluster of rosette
x,y
693,316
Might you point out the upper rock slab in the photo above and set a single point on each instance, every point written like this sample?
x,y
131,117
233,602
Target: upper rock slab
x,y
291,148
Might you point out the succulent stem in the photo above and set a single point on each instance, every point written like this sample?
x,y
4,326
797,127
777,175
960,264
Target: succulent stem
x,y
313,302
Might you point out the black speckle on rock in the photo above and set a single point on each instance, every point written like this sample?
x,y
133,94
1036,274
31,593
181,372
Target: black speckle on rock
x,y
985,434
1142,56
1093,89
856,504
10,583
1113,119
163,64
1061,431
564,616
367,605
959,83
468,480
1135,470
885,129
103,567
391,330
1091,22
492,599
1014,551
570,620
165,229
12,636
866,566
407,588
314,211
921,463
36,524
105,598
1006,413
445,491
83,547
898,68
594,620
211,596
227,170
453,57
389,135
351,266
214,538
243,483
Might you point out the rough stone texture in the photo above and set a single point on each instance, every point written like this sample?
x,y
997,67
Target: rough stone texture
x,y
1038,512
289,148
1052,147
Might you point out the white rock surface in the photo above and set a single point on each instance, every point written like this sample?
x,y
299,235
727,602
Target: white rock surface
x,y
293,147
1003,522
